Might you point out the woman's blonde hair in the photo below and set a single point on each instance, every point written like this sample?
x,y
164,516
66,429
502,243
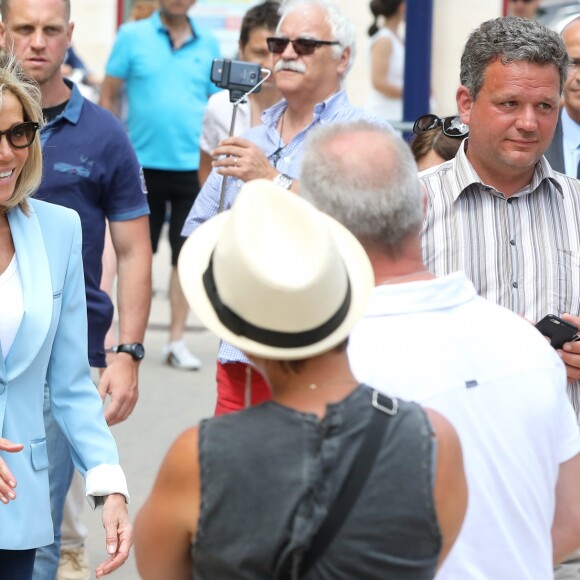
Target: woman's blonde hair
x,y
14,81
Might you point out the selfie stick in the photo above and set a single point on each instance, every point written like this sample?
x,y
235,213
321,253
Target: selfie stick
x,y
242,99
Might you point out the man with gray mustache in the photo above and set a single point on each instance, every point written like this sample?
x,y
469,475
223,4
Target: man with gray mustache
x,y
313,49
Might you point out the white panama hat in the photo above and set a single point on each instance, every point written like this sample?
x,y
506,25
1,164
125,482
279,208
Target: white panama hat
x,y
274,276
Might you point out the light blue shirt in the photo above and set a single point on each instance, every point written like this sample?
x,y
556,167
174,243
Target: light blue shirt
x,y
287,158
167,91
571,143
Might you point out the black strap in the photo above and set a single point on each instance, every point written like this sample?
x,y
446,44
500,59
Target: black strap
x,y
384,407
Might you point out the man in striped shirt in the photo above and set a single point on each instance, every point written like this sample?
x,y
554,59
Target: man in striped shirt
x,y
498,211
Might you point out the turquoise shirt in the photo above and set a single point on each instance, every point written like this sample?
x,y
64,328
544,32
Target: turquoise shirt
x,y
167,91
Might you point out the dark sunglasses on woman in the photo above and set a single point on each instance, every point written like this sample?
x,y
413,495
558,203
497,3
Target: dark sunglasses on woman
x,y
22,135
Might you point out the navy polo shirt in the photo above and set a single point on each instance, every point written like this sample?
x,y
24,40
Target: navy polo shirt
x,y
90,166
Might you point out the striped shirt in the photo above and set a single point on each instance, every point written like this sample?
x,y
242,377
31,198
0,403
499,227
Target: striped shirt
x,y
287,158
522,252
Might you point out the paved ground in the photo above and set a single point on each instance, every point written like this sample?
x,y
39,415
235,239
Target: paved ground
x,y
170,401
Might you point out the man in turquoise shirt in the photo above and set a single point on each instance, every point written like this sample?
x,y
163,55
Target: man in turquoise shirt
x,y
165,63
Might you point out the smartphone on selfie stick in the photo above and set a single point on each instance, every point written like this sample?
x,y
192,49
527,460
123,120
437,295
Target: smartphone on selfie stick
x,y
557,330
241,79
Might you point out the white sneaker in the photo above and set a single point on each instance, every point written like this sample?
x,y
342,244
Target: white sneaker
x,y
73,565
177,355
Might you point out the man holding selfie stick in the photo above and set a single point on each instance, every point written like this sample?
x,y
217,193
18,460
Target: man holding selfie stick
x,y
165,63
499,211
311,58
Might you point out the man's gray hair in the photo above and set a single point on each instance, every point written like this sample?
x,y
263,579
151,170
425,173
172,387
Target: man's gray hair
x,y
342,29
510,39
373,193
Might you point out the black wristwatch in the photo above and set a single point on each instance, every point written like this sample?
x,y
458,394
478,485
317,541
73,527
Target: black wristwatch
x,y
135,349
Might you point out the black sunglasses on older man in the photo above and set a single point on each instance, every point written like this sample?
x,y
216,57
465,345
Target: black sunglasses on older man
x,y
301,46
451,126
22,135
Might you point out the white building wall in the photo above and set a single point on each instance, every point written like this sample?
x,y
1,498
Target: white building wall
x,y
94,32
453,21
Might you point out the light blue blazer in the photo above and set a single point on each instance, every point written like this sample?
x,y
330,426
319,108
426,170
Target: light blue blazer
x,y
50,345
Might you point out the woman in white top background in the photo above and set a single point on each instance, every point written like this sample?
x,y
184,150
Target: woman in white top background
x,y
387,54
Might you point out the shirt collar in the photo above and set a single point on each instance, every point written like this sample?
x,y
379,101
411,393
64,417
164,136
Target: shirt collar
x,y
160,27
466,176
72,111
421,296
338,100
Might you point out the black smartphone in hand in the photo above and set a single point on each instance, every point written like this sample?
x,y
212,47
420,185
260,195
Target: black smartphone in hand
x,y
557,330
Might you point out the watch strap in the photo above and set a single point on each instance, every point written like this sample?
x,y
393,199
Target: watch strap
x,y
135,349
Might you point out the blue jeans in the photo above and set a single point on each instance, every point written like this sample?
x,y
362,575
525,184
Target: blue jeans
x,y
60,472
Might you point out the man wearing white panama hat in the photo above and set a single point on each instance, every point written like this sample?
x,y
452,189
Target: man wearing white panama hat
x,y
245,495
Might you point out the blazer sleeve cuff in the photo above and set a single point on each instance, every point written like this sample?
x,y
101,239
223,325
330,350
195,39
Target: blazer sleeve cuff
x,y
103,480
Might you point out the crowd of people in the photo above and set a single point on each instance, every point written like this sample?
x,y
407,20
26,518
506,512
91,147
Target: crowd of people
x,y
385,406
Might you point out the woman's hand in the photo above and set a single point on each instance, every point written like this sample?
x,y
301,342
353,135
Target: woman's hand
x,y
118,533
7,480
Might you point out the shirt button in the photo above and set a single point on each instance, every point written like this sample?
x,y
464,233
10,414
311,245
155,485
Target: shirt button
x,y
510,200
515,284
513,242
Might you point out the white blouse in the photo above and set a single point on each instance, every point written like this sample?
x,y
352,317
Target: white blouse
x,y
11,305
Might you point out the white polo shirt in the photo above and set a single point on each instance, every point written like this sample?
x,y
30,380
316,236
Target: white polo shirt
x,y
503,388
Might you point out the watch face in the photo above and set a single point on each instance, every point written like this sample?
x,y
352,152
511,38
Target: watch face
x,y
283,181
136,350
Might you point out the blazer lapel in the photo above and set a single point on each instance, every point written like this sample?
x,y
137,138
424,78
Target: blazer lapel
x,y
36,288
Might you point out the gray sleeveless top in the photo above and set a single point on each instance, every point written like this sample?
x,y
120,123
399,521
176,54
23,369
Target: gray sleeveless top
x,y
269,475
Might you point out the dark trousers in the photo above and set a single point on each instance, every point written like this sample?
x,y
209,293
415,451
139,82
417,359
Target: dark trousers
x,y
178,189
16,564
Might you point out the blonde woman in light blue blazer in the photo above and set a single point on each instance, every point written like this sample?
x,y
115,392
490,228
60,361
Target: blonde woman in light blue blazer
x,y
43,338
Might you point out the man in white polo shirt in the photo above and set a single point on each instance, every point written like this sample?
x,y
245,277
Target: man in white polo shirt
x,y
435,341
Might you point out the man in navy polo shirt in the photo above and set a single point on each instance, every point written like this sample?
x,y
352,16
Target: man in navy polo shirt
x,y
89,166
165,63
